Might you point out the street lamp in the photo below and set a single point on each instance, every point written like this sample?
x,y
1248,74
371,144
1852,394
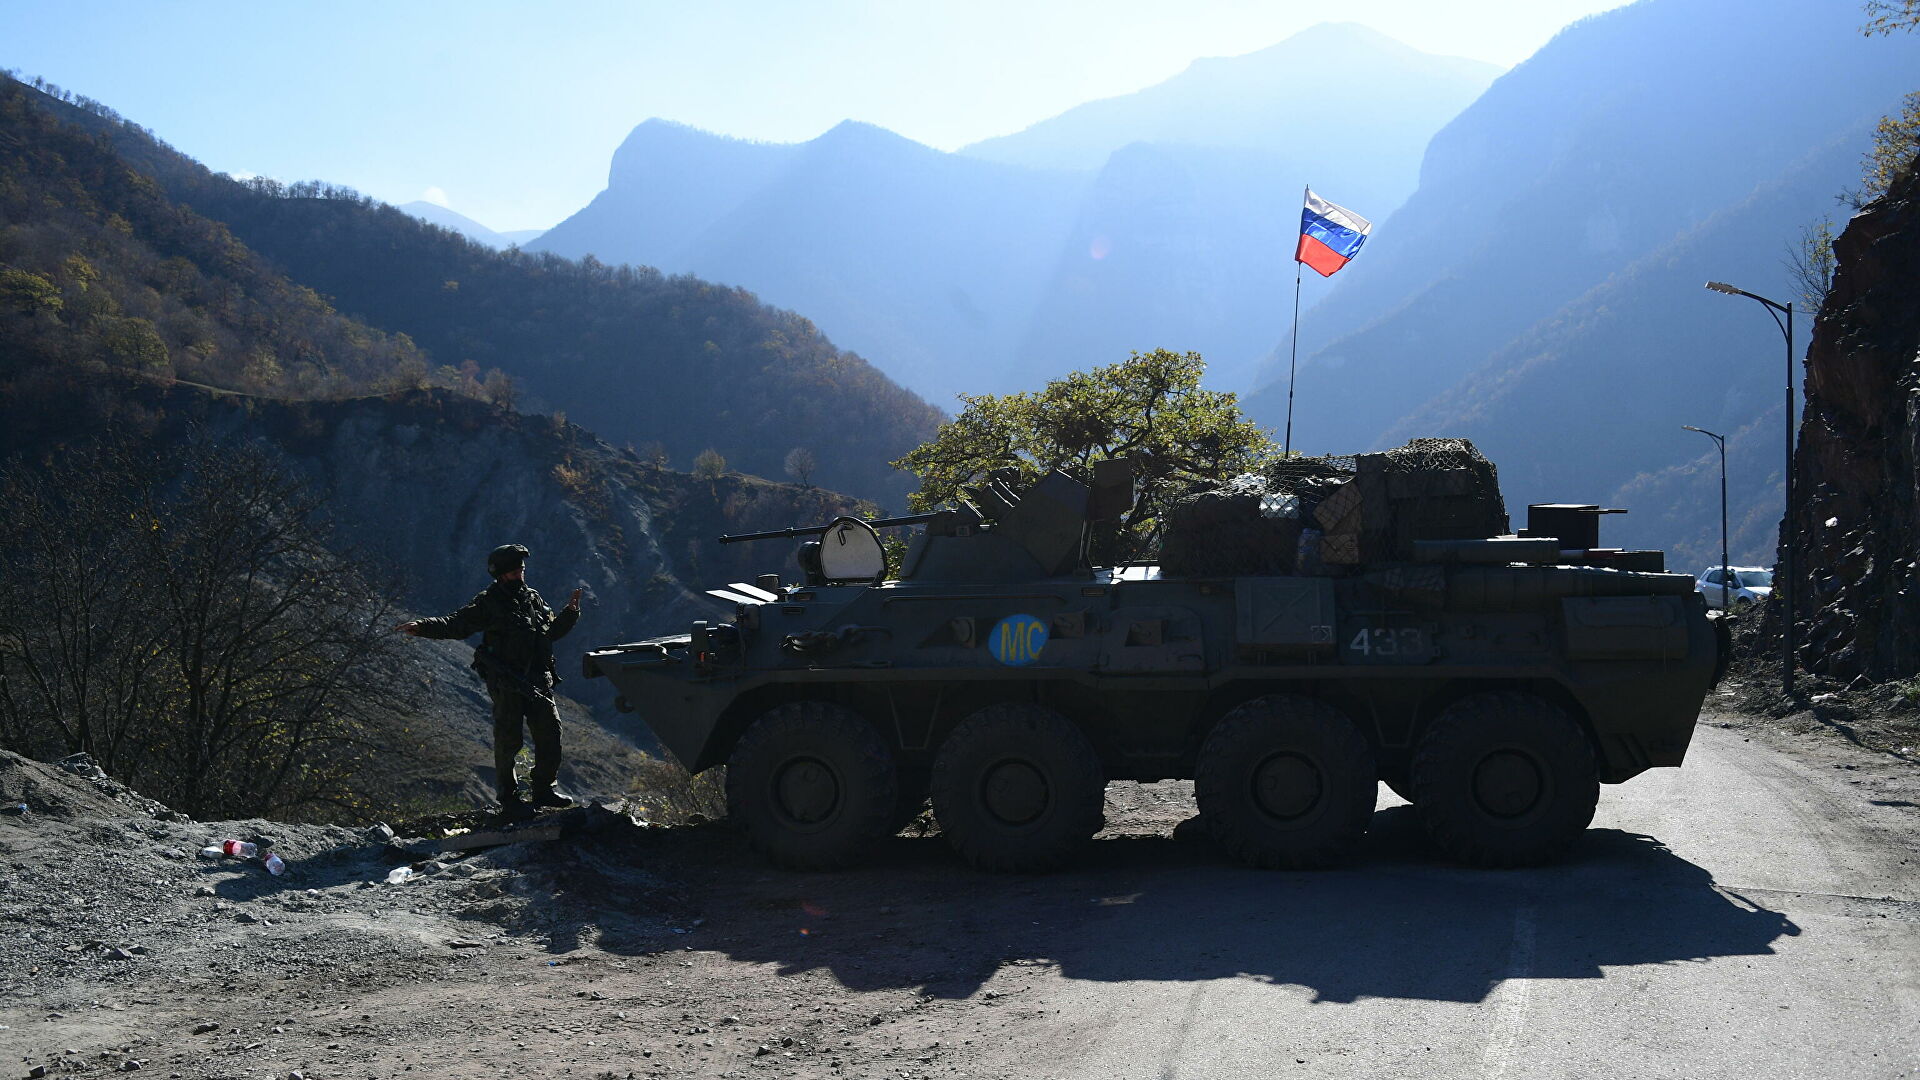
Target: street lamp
x,y
1726,569
1783,583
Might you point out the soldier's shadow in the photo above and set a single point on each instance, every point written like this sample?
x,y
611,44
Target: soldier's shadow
x,y
1395,922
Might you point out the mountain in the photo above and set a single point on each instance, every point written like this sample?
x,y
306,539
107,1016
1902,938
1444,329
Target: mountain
x,y
435,214
1615,138
640,357
1338,104
926,262
1541,291
999,267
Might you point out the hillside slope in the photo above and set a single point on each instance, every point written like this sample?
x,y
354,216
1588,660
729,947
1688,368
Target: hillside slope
x,y
638,356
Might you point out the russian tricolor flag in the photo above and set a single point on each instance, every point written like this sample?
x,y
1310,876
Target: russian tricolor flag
x,y
1330,235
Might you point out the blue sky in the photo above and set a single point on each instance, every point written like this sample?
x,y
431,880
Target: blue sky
x,y
509,113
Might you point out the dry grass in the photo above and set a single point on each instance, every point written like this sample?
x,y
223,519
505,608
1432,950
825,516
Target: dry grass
x,y
666,794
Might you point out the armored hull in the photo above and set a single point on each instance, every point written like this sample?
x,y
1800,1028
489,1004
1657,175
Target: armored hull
x,y
1491,682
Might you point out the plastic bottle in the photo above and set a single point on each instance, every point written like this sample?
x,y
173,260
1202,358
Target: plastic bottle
x,y
239,849
399,874
275,864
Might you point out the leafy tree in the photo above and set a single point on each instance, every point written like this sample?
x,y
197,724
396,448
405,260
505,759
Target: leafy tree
x,y
1888,16
1896,139
28,292
1149,407
709,465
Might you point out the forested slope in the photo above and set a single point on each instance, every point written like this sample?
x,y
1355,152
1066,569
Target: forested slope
x,y
638,356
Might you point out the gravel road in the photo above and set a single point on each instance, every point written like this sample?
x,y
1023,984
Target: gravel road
x,y
1755,914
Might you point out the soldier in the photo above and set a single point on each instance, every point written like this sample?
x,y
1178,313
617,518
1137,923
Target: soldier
x,y
515,657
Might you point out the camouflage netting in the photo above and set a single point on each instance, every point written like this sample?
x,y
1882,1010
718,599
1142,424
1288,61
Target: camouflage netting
x,y
1239,527
1305,514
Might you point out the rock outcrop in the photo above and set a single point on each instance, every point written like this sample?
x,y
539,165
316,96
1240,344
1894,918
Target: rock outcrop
x,y
1855,522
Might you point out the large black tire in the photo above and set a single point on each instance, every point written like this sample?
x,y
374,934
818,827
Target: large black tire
x,y
1017,787
812,784
1504,779
1285,782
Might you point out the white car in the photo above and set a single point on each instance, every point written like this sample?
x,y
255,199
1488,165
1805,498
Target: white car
x,y
1750,585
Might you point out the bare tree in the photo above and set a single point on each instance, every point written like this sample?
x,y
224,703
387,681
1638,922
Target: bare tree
x,y
1811,264
186,622
800,465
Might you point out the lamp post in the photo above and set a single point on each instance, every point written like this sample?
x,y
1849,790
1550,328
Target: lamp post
x,y
1726,567
1783,582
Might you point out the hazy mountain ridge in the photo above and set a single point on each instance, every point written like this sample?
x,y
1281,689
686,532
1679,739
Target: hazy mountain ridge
x,y
435,214
1369,142
1617,136
1561,322
958,272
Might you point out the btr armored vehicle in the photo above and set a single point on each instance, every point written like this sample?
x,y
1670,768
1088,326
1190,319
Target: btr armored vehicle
x,y
1302,635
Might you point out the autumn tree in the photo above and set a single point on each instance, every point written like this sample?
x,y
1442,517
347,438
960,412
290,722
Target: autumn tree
x,y
1896,139
1149,408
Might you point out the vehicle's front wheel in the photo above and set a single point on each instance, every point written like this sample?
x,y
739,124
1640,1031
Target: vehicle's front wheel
x,y
1504,779
1017,787
812,785
1285,782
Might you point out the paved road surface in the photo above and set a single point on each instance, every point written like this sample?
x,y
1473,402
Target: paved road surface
x,y
1751,915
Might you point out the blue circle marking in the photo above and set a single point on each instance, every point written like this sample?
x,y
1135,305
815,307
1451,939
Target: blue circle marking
x,y
1017,640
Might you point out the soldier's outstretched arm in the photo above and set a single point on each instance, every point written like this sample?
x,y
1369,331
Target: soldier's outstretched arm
x,y
466,622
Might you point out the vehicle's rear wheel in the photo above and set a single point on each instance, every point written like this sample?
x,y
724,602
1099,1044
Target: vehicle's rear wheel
x,y
812,785
1504,779
1285,782
1017,787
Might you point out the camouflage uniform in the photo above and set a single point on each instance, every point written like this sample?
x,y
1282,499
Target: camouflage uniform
x,y
515,657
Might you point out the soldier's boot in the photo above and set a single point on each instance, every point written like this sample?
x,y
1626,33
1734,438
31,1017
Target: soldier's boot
x,y
546,796
514,808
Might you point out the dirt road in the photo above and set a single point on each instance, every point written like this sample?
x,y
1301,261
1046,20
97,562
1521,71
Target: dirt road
x,y
1756,914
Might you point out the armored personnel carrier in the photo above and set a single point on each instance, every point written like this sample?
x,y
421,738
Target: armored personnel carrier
x,y
1303,635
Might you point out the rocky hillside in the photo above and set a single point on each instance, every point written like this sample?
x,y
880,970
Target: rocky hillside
x,y
1855,522
423,484
428,482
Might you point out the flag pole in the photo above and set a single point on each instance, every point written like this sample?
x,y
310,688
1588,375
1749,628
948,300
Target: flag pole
x,y
1286,448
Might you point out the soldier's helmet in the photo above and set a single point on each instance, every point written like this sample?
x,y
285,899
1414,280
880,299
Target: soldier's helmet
x,y
505,559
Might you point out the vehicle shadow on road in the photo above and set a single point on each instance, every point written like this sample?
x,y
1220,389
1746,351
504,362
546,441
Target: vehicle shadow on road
x,y
1394,922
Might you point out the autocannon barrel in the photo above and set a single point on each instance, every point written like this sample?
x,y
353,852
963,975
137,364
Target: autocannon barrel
x,y
816,530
